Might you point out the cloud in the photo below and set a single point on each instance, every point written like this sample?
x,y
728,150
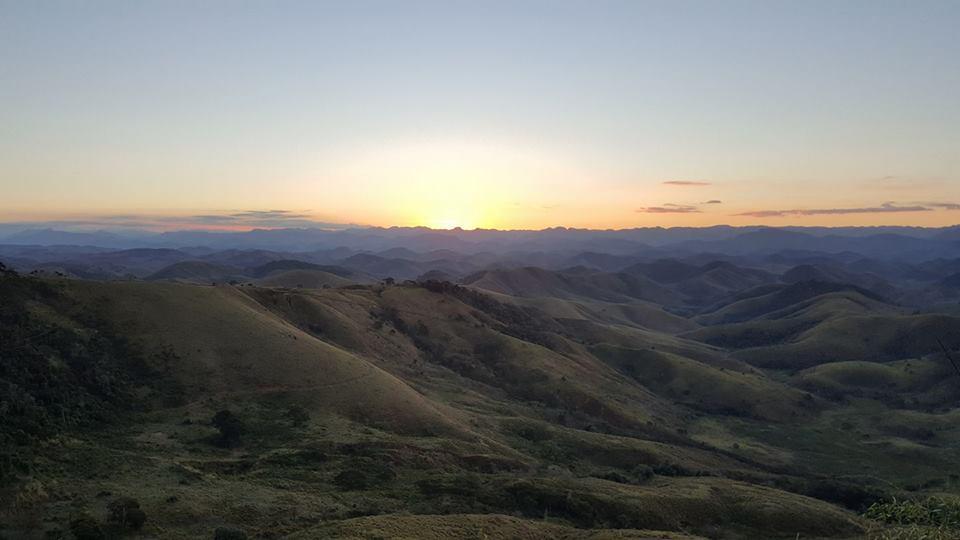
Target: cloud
x,y
884,208
713,201
686,183
270,214
273,219
227,221
901,183
944,205
670,208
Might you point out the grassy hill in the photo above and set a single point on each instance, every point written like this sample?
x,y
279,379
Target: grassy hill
x,y
196,272
305,278
863,338
702,284
437,410
786,324
765,300
536,282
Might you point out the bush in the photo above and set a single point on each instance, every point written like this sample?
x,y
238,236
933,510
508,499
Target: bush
x,y
930,512
227,533
297,415
230,426
615,476
126,514
363,474
852,496
352,480
642,473
85,527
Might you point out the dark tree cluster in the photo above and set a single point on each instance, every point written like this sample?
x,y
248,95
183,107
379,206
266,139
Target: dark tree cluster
x,y
231,428
55,377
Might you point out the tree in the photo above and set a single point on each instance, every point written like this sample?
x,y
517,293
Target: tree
x,y
297,415
126,514
230,426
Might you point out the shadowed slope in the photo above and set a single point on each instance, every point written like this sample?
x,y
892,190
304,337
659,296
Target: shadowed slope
x,y
537,282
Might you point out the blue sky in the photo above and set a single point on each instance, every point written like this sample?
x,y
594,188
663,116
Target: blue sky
x,y
498,114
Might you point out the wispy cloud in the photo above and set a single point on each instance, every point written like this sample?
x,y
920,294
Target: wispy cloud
x,y
260,218
944,205
226,221
713,201
669,208
270,214
884,208
896,183
686,183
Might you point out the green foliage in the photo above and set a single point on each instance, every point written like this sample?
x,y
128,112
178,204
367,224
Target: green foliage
x,y
58,373
914,532
937,512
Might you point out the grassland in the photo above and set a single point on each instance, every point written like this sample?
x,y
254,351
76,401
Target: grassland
x,y
436,411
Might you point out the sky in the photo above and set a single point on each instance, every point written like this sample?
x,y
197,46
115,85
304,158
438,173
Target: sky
x,y
493,114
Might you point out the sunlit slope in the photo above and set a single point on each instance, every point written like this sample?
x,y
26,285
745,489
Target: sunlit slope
x,y
438,342
226,344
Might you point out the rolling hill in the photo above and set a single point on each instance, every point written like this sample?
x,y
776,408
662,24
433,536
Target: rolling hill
x,y
434,408
535,282
196,272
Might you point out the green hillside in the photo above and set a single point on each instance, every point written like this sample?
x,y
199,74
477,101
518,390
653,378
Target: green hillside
x,y
435,410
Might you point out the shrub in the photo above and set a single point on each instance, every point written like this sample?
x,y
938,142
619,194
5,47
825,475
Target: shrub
x,y
852,496
230,426
352,480
126,514
929,512
462,485
363,474
616,476
227,533
297,415
642,473
85,527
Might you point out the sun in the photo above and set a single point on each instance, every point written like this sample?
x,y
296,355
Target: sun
x,y
448,222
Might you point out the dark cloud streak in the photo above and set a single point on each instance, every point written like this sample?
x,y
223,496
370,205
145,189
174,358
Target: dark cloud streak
x,y
670,208
882,209
686,183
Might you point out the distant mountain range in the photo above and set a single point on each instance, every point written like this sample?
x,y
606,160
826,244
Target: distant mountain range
x,y
884,242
